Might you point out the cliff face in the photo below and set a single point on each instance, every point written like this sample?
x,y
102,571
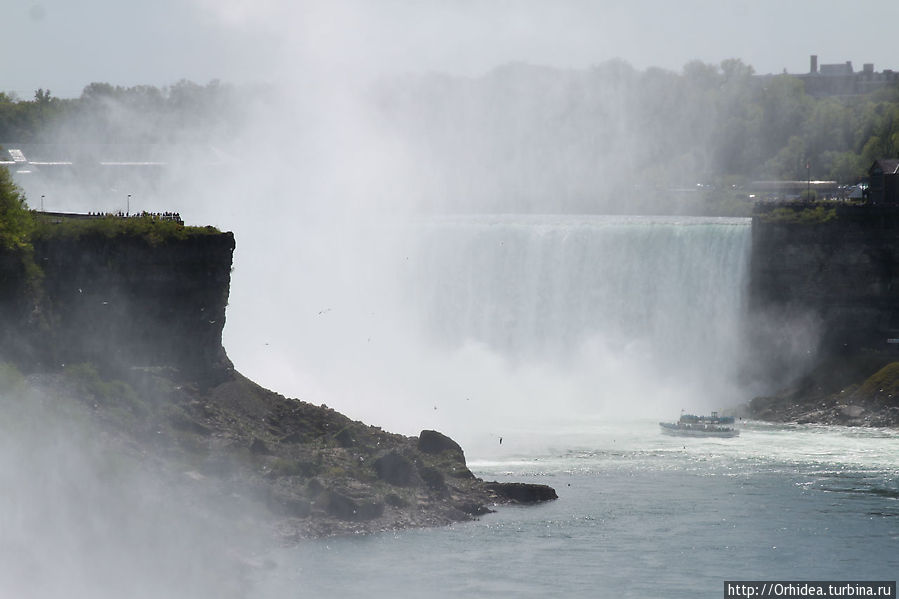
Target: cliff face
x,y
824,288
120,301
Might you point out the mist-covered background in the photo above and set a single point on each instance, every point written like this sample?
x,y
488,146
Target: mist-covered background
x,y
347,145
519,138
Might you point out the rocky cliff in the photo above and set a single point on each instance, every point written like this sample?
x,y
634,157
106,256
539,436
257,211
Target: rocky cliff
x,y
838,272
129,302
119,301
823,296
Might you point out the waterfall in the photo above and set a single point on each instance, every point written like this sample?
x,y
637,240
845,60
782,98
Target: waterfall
x,y
469,324
541,287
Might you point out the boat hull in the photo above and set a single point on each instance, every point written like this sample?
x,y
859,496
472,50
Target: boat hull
x,y
681,430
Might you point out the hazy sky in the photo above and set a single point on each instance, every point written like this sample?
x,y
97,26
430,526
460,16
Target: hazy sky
x,y
64,45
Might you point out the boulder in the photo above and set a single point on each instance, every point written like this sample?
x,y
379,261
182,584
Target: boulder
x,y
434,442
522,492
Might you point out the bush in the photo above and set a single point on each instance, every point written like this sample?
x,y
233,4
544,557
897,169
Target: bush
x,y
16,222
883,384
802,214
151,229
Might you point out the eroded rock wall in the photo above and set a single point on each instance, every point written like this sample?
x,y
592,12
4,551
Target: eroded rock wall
x,y
121,302
820,289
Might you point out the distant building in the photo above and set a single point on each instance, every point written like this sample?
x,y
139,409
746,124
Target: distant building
x,y
883,187
841,79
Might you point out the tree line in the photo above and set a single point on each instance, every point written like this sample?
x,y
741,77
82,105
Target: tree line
x,y
577,134
183,112
529,132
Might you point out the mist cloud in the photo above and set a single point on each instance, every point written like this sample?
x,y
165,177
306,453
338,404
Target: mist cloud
x,y
86,516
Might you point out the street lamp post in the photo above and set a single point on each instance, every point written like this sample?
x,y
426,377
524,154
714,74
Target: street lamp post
x,y
128,206
808,175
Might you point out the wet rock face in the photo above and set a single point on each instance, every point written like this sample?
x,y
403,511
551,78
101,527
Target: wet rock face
x,y
840,278
123,302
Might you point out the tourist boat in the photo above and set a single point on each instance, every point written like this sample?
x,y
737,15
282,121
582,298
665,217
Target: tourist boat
x,y
690,425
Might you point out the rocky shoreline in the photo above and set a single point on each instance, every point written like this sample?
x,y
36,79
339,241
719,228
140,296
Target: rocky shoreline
x,y
859,391
828,411
305,471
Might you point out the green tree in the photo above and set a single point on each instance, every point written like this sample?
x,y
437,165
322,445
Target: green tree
x,y
845,167
790,162
16,221
737,149
784,110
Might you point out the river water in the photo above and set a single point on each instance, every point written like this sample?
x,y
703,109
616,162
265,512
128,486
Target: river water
x,y
639,514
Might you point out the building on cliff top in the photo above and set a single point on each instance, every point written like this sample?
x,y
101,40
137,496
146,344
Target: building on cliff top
x,y
841,79
884,181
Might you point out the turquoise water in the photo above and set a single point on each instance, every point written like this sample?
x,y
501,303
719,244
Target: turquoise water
x,y
639,514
